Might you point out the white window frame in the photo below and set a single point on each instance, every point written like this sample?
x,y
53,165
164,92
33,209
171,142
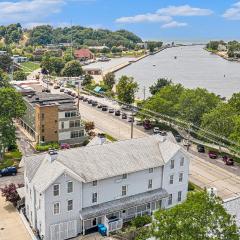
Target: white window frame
x,y
93,198
170,198
172,163
95,183
72,186
179,196
58,189
54,208
171,179
182,162
124,176
150,170
180,178
150,184
68,205
124,190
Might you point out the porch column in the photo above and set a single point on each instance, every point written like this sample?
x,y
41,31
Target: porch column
x,y
83,227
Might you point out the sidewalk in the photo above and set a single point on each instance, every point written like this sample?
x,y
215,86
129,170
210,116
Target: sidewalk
x,y
11,225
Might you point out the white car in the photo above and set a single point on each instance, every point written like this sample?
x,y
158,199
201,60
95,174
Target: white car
x,y
156,130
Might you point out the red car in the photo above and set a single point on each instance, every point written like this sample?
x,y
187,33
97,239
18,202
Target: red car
x,y
228,161
65,146
212,155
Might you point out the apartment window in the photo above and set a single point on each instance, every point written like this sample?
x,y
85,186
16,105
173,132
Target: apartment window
x,y
170,199
43,138
70,205
74,123
172,164
56,208
70,187
94,183
180,177
179,196
56,190
73,114
171,179
124,176
67,114
77,134
182,161
42,128
124,190
62,125
150,170
94,197
149,183
42,115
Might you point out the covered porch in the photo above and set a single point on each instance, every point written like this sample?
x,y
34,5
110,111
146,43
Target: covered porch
x,y
114,213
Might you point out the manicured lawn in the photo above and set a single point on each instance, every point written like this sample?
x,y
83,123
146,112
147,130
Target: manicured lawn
x,y
29,67
10,159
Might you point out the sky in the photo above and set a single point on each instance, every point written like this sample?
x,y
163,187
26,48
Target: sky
x,y
167,20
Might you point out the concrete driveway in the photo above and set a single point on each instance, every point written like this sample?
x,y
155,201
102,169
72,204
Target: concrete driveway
x,y
11,225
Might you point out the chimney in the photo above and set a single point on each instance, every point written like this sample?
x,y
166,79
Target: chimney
x,y
52,155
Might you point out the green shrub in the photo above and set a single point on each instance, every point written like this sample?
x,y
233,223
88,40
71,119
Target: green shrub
x,y
191,187
46,147
141,221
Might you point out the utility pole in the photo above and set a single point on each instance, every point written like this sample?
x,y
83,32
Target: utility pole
x,y
71,40
132,123
78,103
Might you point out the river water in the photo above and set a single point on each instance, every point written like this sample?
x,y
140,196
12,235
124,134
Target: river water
x,y
194,67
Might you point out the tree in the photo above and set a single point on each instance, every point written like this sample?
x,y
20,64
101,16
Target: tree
x,y
126,89
10,193
19,75
200,217
220,120
161,82
5,62
109,80
234,101
89,126
193,103
72,69
53,65
4,80
87,80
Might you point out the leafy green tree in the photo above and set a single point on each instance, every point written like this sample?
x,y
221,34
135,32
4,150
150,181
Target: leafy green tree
x,y
193,103
126,89
87,80
53,65
72,69
41,35
200,217
109,80
68,57
235,130
4,80
234,101
220,120
161,82
19,75
5,62
166,100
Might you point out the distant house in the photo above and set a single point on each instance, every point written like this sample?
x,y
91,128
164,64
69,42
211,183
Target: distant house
x,y
84,54
92,71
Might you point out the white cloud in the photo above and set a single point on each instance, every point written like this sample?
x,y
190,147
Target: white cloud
x,y
184,10
174,24
233,13
148,17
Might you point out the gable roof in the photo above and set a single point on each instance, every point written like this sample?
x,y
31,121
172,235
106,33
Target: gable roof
x,y
102,161
83,53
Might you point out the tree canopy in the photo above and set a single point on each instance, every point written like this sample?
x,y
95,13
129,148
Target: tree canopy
x,y
201,217
161,82
72,69
19,75
109,80
126,89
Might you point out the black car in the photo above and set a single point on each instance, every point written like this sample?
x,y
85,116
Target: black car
x,y
117,113
201,148
100,106
124,116
104,108
90,101
94,103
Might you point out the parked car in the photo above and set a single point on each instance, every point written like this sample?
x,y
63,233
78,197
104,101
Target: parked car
x,y
163,133
94,103
228,161
178,138
212,155
56,87
111,110
61,89
66,91
90,101
9,171
156,130
139,123
46,90
50,83
201,148
99,106
65,146
124,116
104,108
81,97
147,124
69,93
73,94
117,113
130,119
85,99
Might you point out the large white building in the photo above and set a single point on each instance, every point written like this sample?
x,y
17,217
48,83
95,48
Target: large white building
x,y
69,192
